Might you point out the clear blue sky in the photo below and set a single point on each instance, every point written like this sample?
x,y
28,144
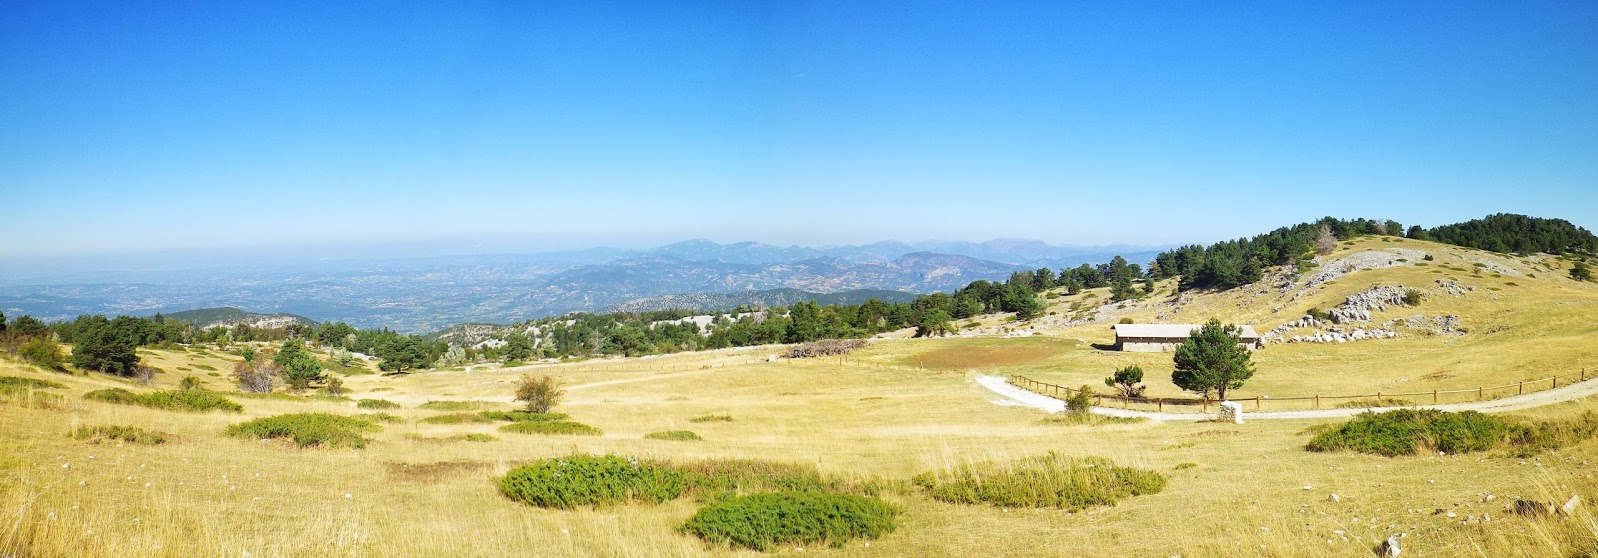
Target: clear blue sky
x,y
129,128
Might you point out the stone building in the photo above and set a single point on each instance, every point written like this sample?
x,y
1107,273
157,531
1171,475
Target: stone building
x,y
1154,338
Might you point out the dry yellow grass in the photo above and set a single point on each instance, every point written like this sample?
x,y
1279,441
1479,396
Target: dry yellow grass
x,y
418,490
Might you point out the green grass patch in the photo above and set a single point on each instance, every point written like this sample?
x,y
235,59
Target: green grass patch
x,y
522,416
552,427
1088,419
1416,431
1375,403
376,404
475,437
764,521
204,367
308,429
454,418
382,417
677,435
1048,481
129,434
181,400
583,480
711,418
456,405
1188,465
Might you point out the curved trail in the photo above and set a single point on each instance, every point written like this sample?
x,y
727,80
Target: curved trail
x,y
1021,397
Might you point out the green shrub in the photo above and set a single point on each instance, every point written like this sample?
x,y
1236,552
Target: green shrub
x,y
1050,480
455,405
17,384
1411,431
308,429
130,434
376,404
181,400
454,418
522,416
1080,402
677,435
1415,431
711,418
583,480
552,427
1412,297
763,521
188,383
475,437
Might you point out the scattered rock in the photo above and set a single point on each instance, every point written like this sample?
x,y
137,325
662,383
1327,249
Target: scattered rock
x,y
1570,505
1531,508
1334,498
1389,547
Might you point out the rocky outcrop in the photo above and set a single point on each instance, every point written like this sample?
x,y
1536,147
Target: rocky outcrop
x,y
1358,306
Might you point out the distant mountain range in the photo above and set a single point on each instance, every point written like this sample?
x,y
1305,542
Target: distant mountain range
x,y
722,302
428,294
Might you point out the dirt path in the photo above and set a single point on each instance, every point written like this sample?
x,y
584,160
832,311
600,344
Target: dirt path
x,y
1017,396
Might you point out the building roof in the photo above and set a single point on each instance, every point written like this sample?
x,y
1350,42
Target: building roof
x,y
1169,331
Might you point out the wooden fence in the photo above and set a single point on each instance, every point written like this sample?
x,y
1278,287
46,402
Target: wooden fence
x,y
1312,402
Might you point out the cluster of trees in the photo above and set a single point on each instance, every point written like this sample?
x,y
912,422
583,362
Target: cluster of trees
x,y
1506,232
1234,263
634,334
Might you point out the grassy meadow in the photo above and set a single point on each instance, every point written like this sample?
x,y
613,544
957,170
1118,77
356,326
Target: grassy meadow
x,y
879,417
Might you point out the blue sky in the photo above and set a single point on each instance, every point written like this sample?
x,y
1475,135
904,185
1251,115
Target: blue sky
x,y
534,126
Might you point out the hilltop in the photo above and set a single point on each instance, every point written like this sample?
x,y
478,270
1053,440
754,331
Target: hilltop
x,y
228,316
723,302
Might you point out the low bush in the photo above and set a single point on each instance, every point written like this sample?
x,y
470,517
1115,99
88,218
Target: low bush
x,y
454,418
711,418
763,521
130,434
522,416
678,435
181,400
1412,297
15,383
376,404
583,480
826,347
456,405
551,427
308,429
1416,431
1050,480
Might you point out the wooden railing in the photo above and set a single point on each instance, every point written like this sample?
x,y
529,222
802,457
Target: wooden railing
x,y
1379,399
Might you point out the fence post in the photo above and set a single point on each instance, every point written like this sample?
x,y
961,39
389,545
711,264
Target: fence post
x,y
1522,388
1556,380
1478,393
1257,403
1434,397
1317,401
1204,405
1161,403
